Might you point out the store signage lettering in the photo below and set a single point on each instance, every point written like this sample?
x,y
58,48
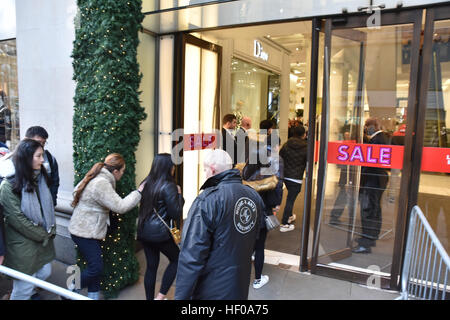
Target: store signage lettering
x,y
357,154
199,141
385,156
368,155
259,52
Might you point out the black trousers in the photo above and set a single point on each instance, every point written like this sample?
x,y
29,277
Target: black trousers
x,y
371,219
259,252
152,251
293,191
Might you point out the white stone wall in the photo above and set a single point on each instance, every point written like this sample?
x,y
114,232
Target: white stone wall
x,y
45,33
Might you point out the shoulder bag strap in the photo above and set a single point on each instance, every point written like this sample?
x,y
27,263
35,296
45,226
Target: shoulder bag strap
x,y
162,220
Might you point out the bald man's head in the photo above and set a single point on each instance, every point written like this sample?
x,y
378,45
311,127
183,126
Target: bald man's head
x,y
246,123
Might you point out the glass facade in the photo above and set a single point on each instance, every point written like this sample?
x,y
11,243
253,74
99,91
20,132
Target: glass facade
x,y
254,92
434,187
9,95
370,76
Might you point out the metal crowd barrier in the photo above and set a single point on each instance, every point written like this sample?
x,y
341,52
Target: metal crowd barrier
x,y
427,264
42,284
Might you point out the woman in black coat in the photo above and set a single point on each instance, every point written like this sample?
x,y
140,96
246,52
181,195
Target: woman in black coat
x,y
160,197
266,177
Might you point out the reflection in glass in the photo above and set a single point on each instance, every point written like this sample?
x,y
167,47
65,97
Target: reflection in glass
x,y
434,188
369,79
9,99
255,92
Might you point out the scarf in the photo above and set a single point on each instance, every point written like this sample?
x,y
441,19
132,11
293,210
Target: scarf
x,y
40,211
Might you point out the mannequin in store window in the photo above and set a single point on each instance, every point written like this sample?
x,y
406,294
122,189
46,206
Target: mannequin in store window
x,y
242,140
372,185
5,121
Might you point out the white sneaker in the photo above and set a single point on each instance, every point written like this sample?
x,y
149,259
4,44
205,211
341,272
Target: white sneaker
x,y
286,227
292,218
260,282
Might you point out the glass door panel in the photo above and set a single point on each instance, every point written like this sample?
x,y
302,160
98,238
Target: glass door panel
x,y
191,122
434,187
369,76
341,188
201,71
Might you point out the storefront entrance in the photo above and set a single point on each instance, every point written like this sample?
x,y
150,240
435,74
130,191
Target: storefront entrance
x,y
367,183
334,74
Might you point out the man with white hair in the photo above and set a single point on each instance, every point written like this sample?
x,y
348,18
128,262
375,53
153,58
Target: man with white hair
x,y
219,235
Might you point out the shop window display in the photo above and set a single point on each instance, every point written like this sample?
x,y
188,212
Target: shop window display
x,y
9,101
255,92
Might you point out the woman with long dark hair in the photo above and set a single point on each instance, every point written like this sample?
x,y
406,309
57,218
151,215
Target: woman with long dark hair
x,y
94,197
160,197
29,216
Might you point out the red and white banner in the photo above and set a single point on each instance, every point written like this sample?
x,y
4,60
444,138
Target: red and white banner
x,y
199,141
436,159
367,155
385,156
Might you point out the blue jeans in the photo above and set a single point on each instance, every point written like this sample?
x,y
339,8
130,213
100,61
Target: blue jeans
x,y
91,251
23,290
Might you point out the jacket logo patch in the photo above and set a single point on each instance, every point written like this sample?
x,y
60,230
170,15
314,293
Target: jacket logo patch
x,y
245,215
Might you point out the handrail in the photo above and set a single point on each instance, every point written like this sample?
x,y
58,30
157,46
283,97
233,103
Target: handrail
x,y
42,284
415,260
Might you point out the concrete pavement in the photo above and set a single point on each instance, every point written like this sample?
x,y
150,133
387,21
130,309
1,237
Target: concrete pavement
x,y
285,284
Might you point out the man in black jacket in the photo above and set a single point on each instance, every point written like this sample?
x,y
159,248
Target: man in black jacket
x,y
228,142
294,156
40,135
372,185
219,236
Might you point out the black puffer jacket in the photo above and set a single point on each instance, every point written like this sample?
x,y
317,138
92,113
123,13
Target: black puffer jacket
x,y
169,207
218,240
294,155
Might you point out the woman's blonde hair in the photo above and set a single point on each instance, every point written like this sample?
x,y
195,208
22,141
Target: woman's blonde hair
x,y
114,161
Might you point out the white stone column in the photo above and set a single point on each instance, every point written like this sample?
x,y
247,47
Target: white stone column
x,y
45,35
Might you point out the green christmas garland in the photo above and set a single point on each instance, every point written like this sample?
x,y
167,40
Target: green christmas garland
x,y
107,116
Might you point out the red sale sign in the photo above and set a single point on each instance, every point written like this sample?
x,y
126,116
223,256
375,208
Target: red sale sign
x,y
199,141
436,159
385,156
367,155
